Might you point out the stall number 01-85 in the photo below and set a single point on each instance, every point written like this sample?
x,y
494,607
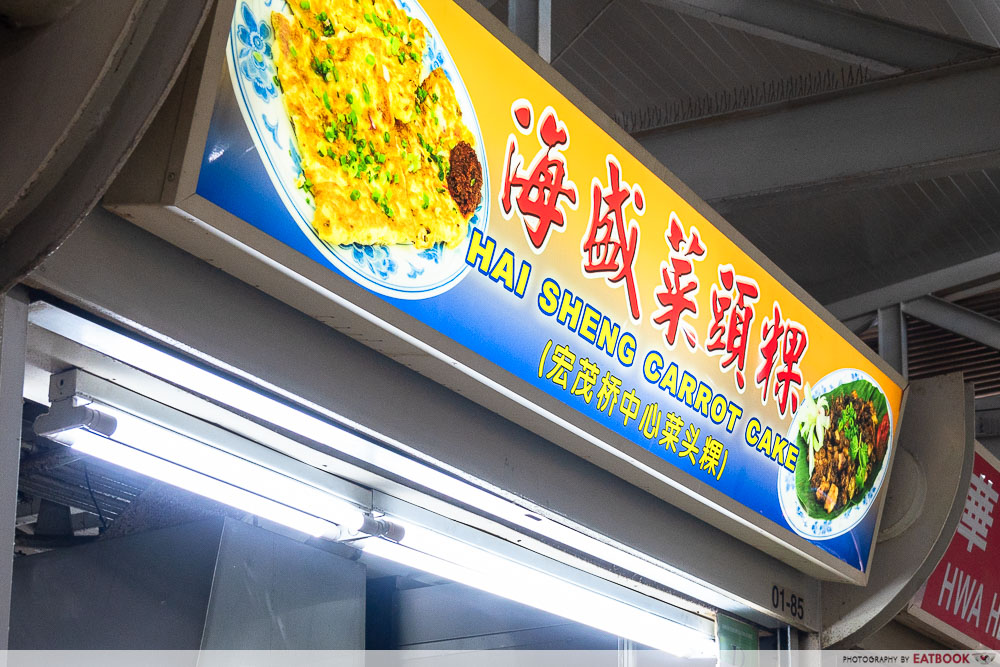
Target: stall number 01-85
x,y
787,603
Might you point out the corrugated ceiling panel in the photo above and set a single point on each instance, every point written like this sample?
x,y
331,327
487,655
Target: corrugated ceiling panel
x,y
572,18
976,20
843,244
633,55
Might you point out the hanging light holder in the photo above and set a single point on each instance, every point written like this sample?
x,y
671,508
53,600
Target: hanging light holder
x,y
78,417
65,415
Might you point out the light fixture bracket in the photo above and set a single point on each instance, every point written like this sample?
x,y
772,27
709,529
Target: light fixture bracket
x,y
381,527
65,415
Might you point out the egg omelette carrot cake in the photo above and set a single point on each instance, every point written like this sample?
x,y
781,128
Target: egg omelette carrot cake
x,y
386,156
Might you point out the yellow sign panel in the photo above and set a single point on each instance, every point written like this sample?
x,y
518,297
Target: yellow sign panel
x,y
472,195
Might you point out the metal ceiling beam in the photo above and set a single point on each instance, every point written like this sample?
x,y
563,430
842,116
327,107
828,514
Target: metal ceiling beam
x,y
862,323
962,321
531,21
973,290
881,45
892,338
907,290
897,130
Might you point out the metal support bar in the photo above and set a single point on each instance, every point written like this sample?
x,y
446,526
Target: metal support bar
x,y
862,323
898,130
892,338
531,21
928,283
974,290
522,19
962,321
850,36
13,340
545,29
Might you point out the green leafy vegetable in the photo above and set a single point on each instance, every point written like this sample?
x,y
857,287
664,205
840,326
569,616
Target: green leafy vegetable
x,y
848,426
866,391
862,474
858,449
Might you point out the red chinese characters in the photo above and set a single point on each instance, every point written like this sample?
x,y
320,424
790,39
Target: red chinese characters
x,y
538,192
676,296
783,344
732,316
612,239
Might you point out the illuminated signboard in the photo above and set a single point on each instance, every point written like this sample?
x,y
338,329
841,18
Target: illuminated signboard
x,y
405,148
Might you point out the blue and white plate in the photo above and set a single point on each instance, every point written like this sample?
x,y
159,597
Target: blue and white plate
x,y
795,514
399,271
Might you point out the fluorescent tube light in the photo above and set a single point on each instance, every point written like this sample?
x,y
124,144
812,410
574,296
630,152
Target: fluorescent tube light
x,y
238,396
176,459
196,466
189,453
472,566
165,471
163,454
